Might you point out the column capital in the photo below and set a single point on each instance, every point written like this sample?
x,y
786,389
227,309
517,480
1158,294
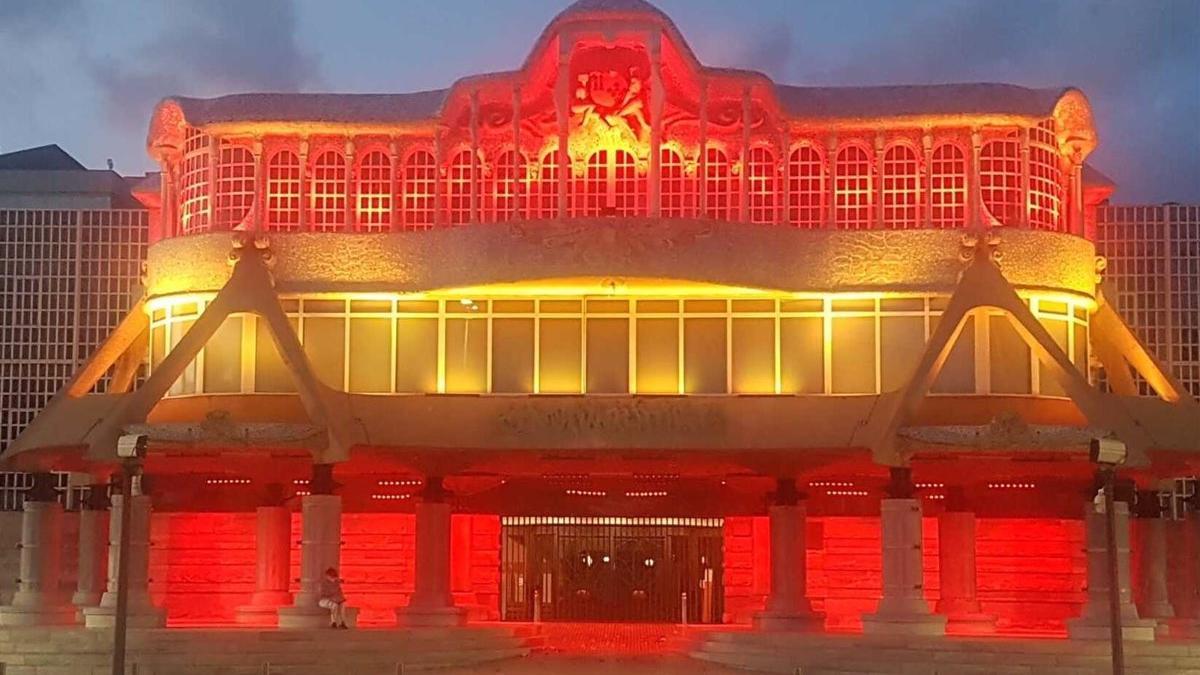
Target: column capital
x,y
900,483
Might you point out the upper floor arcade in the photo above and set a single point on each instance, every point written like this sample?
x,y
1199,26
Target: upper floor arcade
x,y
611,114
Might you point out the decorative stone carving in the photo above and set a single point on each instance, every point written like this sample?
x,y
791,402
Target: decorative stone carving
x,y
631,416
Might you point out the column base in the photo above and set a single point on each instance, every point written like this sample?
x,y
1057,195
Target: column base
x,y
263,609
971,624
904,624
257,615
302,618
139,617
789,621
1183,628
57,615
414,617
1134,630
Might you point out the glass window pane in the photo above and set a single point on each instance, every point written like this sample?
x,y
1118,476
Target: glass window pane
x,y
466,355
562,353
325,347
186,384
802,355
704,356
512,355
270,375
416,355
853,356
754,305
370,355
158,346
902,341
1048,385
607,356
754,356
223,358
958,373
1081,348
658,356
1008,358
658,306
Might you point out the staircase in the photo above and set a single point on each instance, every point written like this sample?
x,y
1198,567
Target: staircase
x,y
800,654
71,651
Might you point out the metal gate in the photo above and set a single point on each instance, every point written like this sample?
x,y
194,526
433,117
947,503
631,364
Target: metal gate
x,y
612,569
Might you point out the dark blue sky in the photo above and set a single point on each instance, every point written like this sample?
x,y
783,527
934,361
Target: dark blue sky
x,y
86,73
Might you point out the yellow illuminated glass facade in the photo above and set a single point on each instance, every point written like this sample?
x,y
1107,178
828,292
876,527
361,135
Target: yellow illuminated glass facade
x,y
648,345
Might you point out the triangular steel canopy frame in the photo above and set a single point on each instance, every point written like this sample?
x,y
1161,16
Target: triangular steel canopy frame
x,y
983,285
249,290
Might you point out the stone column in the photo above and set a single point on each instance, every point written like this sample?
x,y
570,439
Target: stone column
x,y
1184,577
432,603
959,600
39,601
902,609
93,536
142,612
787,605
273,546
1093,623
1152,556
320,549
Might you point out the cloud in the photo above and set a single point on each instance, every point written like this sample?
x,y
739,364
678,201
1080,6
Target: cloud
x,y
28,20
207,48
1137,62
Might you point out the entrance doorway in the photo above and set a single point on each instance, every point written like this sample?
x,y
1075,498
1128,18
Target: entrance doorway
x,y
611,569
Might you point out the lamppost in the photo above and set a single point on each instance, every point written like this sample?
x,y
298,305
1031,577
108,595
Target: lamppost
x,y
131,448
1108,454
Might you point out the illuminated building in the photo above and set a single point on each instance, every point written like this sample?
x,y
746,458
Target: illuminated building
x,y
647,327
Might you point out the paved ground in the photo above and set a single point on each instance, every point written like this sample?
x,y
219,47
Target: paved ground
x,y
564,664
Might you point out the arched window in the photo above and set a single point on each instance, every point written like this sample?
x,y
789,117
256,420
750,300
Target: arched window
x,y
283,191
901,188
764,188
678,192
373,196
588,197
627,196
235,185
546,205
508,197
328,194
1000,178
457,198
806,187
948,187
1045,178
194,209
721,186
420,176
852,188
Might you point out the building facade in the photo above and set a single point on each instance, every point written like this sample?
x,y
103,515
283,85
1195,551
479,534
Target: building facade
x,y
72,244
621,336
1153,255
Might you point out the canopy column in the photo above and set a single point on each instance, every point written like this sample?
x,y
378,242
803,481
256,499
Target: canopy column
x,y
432,602
320,549
788,608
1093,623
39,601
903,609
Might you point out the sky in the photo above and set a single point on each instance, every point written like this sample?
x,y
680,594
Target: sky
x,y
85,74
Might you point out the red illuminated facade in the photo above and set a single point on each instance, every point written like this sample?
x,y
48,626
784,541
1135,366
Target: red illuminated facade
x,y
571,341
